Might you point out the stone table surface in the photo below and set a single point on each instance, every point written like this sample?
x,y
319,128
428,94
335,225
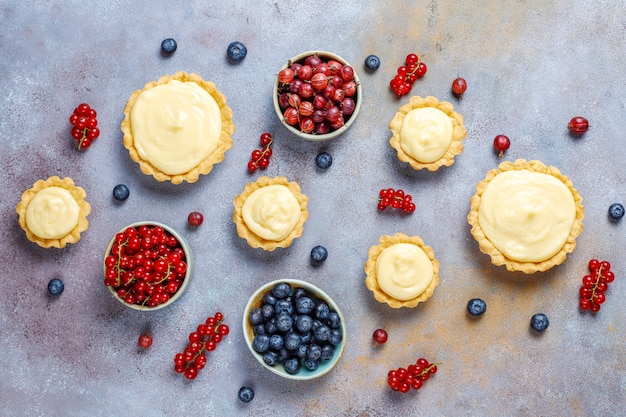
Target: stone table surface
x,y
530,65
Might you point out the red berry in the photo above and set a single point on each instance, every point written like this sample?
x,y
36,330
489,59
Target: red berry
x,y
145,341
578,125
500,144
459,86
380,336
195,218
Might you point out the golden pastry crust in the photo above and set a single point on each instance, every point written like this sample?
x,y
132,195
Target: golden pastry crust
x,y
485,245
371,281
225,141
77,193
458,133
256,241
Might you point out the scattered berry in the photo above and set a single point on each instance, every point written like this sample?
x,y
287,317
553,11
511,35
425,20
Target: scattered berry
x,y
413,376
168,46
323,160
236,51
85,124
121,192
500,144
459,86
145,341
616,211
55,286
246,394
539,322
372,62
261,158
595,285
318,254
407,74
476,306
195,218
578,125
397,199
379,336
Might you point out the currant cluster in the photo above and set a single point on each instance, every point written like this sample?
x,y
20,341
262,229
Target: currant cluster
x,y
204,339
396,199
261,157
407,74
317,96
595,284
146,265
85,125
413,376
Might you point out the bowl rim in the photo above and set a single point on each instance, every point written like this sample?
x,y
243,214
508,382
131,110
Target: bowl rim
x,y
335,133
305,375
186,280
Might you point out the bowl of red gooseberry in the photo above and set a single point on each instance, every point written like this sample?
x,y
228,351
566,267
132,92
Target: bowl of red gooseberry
x,y
147,266
317,95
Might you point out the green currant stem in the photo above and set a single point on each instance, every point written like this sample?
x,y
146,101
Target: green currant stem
x,y
119,261
427,370
167,273
417,65
264,151
80,142
595,286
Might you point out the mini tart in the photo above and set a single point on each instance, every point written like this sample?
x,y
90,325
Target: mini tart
x,y
497,256
372,283
204,166
458,132
299,200
64,199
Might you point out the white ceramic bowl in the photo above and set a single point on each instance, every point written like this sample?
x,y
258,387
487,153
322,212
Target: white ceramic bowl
x,y
334,133
186,279
256,300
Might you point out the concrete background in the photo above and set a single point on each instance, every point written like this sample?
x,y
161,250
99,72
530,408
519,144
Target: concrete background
x,y
530,65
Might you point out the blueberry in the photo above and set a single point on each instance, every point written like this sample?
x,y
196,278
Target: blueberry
x,y
284,323
304,305
236,51
297,293
268,298
328,351
302,349
283,355
270,357
616,211
259,329
335,337
55,286
270,326
476,306
314,352
168,46
292,365
293,341
246,394
318,254
333,320
267,311
276,342
323,160
322,333
539,322
304,323
307,338
281,290
321,311
372,62
311,364
261,343
121,192
283,307
255,316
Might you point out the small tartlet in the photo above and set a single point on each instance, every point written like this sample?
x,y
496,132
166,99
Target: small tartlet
x,y
458,132
487,247
253,239
371,280
78,194
205,166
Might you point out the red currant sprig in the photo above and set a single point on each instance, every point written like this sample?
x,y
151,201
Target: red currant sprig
x,y
204,339
396,199
413,376
261,157
85,125
407,74
594,285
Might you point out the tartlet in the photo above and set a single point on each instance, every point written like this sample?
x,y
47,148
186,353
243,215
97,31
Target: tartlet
x,y
53,212
178,127
270,213
415,272
537,218
427,133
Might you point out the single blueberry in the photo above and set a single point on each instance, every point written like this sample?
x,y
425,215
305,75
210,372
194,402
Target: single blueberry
x,y
259,329
323,160
270,326
297,293
372,62
304,305
539,322
281,290
311,364
314,352
322,333
321,311
246,394
616,211
316,324
293,341
307,338
121,192
276,342
318,254
270,357
292,365
328,351
283,355
335,337
476,306
55,286
333,320
261,343
168,46
236,51
284,323
301,352
255,316
268,298
267,311
283,306
304,323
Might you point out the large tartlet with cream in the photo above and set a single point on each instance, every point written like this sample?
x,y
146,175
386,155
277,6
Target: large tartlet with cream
x,y
401,270
526,215
53,212
178,127
427,133
270,213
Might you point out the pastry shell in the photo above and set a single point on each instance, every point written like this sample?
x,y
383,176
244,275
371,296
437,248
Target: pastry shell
x,y
253,239
225,141
458,132
79,195
485,245
371,281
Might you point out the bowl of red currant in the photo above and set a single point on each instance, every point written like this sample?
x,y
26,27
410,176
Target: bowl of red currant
x,y
147,266
294,329
317,95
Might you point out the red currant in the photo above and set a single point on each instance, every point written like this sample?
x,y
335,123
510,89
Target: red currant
x,y
459,85
595,285
260,158
379,336
195,218
84,124
501,144
145,341
578,125
397,199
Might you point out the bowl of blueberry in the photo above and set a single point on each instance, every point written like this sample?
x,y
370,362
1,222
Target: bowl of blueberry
x,y
294,329
317,95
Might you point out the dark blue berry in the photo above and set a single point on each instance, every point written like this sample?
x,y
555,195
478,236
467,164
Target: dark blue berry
x,y
335,337
168,46
323,160
318,254
307,338
616,211
259,329
121,192
297,293
276,342
283,355
322,333
304,305
293,341
55,286
311,364
327,352
302,349
321,311
281,290
283,307
284,323
314,352
270,326
246,394
261,343
304,323
372,62
476,306
255,316
268,298
539,322
270,357
236,51
292,365
333,320
267,311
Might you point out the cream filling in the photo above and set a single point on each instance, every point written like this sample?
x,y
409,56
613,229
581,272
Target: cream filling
x,y
527,215
271,212
175,126
52,213
404,271
426,134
